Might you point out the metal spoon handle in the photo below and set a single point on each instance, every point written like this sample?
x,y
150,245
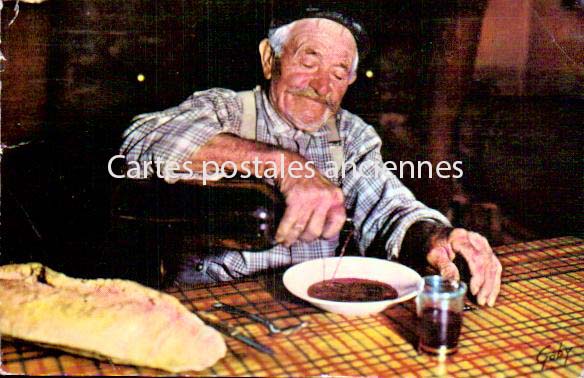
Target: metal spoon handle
x,y
237,311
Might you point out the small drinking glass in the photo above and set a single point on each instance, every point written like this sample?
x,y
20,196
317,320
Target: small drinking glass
x,y
440,304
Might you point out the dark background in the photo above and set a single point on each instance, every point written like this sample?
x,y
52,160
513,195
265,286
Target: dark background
x,y
441,90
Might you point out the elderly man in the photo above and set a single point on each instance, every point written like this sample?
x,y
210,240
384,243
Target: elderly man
x,y
310,62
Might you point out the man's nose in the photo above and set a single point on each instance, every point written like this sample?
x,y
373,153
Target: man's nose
x,y
321,83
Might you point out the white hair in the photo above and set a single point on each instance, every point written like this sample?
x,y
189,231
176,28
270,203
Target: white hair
x,y
279,36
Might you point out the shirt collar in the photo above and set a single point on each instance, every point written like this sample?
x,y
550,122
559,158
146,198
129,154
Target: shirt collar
x,y
282,127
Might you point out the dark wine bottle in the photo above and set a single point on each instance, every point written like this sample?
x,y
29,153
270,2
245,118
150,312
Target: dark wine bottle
x,y
239,214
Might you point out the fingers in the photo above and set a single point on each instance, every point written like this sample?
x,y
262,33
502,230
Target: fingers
x,y
286,223
459,240
488,286
497,271
315,225
293,224
488,262
315,208
335,220
450,271
490,290
441,258
484,266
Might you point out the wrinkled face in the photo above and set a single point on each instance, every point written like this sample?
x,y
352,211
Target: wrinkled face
x,y
313,73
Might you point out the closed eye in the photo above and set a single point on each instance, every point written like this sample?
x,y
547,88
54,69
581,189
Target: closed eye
x,y
340,73
310,59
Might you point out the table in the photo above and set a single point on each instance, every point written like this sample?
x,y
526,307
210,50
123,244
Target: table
x,y
536,328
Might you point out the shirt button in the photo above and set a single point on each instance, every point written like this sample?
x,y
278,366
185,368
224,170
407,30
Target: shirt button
x,y
199,267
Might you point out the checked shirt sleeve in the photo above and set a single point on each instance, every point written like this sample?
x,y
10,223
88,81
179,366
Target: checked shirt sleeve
x,y
382,206
175,134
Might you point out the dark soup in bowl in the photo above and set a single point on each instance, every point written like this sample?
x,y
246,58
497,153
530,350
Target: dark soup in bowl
x,y
352,290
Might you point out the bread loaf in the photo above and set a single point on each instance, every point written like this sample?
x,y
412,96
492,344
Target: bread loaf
x,y
116,320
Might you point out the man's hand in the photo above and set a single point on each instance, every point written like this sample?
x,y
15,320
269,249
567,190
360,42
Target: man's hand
x,y
315,208
484,266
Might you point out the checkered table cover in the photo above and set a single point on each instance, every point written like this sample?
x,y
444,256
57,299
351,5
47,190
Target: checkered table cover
x,y
536,329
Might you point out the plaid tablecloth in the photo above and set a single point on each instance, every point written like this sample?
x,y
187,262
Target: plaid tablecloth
x,y
536,328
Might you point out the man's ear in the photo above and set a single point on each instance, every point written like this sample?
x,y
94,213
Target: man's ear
x,y
267,58
353,78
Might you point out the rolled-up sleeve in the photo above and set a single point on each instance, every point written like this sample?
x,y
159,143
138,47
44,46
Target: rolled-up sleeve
x,y
381,205
175,134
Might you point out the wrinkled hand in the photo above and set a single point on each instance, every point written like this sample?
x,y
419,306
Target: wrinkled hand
x,y
315,208
484,266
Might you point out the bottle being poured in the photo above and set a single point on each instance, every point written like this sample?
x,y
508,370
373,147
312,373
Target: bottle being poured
x,y
237,214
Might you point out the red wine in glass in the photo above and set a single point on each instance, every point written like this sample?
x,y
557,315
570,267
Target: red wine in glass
x,y
440,331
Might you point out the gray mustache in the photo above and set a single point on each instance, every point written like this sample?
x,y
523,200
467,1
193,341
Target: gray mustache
x,y
311,94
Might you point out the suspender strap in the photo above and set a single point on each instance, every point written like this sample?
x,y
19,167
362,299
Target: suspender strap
x,y
248,119
335,142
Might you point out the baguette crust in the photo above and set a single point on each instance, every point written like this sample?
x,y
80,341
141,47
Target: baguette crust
x,y
117,320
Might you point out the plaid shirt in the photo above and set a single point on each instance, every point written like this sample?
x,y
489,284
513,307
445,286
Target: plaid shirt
x,y
377,201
